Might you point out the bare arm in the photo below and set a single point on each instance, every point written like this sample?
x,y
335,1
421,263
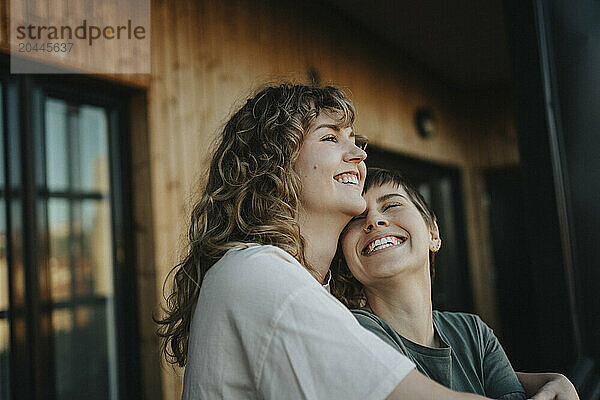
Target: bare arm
x,y
547,386
416,386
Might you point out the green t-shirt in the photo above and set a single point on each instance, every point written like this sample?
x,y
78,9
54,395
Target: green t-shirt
x,y
470,360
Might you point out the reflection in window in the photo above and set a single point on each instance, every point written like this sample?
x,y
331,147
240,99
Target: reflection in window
x,y
93,148
80,250
57,173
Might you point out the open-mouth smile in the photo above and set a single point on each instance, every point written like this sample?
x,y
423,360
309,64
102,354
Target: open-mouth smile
x,y
381,243
347,178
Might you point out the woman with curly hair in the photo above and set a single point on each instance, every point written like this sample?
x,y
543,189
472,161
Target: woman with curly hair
x,y
384,275
249,316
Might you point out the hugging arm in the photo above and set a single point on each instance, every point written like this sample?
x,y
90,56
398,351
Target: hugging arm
x,y
547,386
416,386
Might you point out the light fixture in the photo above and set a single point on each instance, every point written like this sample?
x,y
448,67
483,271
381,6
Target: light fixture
x,y
425,122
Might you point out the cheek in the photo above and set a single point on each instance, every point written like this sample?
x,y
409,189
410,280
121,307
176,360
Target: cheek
x,y
345,241
308,169
420,224
357,269
353,264
349,242
362,168
306,161
314,164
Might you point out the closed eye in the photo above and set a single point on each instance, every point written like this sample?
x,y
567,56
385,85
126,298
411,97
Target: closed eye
x,y
391,205
330,138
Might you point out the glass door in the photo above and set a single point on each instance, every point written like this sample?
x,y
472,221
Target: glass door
x,y
68,321
75,202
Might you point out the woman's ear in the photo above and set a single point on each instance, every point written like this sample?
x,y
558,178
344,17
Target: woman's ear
x,y
436,242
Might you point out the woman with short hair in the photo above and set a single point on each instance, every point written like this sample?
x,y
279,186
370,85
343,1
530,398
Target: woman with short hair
x,y
384,270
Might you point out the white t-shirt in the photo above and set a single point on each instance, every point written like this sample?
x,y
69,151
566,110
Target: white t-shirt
x,y
265,328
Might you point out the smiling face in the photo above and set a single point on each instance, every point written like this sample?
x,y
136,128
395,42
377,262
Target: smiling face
x,y
389,238
331,169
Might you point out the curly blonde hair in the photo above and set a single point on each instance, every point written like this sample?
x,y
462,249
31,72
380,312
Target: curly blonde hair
x,y
251,195
343,284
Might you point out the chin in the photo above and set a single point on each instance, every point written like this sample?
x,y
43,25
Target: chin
x,y
356,207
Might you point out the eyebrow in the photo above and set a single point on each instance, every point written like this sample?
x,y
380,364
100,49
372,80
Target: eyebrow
x,y
381,200
389,196
333,127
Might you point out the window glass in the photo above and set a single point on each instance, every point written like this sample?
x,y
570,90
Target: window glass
x,y
96,246
59,261
57,169
93,150
81,251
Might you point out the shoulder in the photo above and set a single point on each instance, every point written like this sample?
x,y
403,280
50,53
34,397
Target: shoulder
x,y
458,319
255,255
258,262
459,326
462,327
367,319
255,276
376,325
254,289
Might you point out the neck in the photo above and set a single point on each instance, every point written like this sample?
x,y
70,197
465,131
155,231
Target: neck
x,y
404,302
320,234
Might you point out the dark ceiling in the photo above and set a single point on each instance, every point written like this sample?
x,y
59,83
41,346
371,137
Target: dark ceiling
x,y
464,41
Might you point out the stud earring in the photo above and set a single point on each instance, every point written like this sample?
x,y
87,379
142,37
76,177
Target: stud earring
x,y
435,245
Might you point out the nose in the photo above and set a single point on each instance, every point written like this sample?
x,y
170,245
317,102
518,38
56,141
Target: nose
x,y
354,154
373,221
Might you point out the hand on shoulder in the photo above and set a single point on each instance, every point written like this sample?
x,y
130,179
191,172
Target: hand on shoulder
x,y
549,386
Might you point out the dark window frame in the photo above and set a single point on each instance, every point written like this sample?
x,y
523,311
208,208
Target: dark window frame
x,y
31,359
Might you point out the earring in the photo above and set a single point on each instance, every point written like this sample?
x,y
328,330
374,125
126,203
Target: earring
x,y
435,245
